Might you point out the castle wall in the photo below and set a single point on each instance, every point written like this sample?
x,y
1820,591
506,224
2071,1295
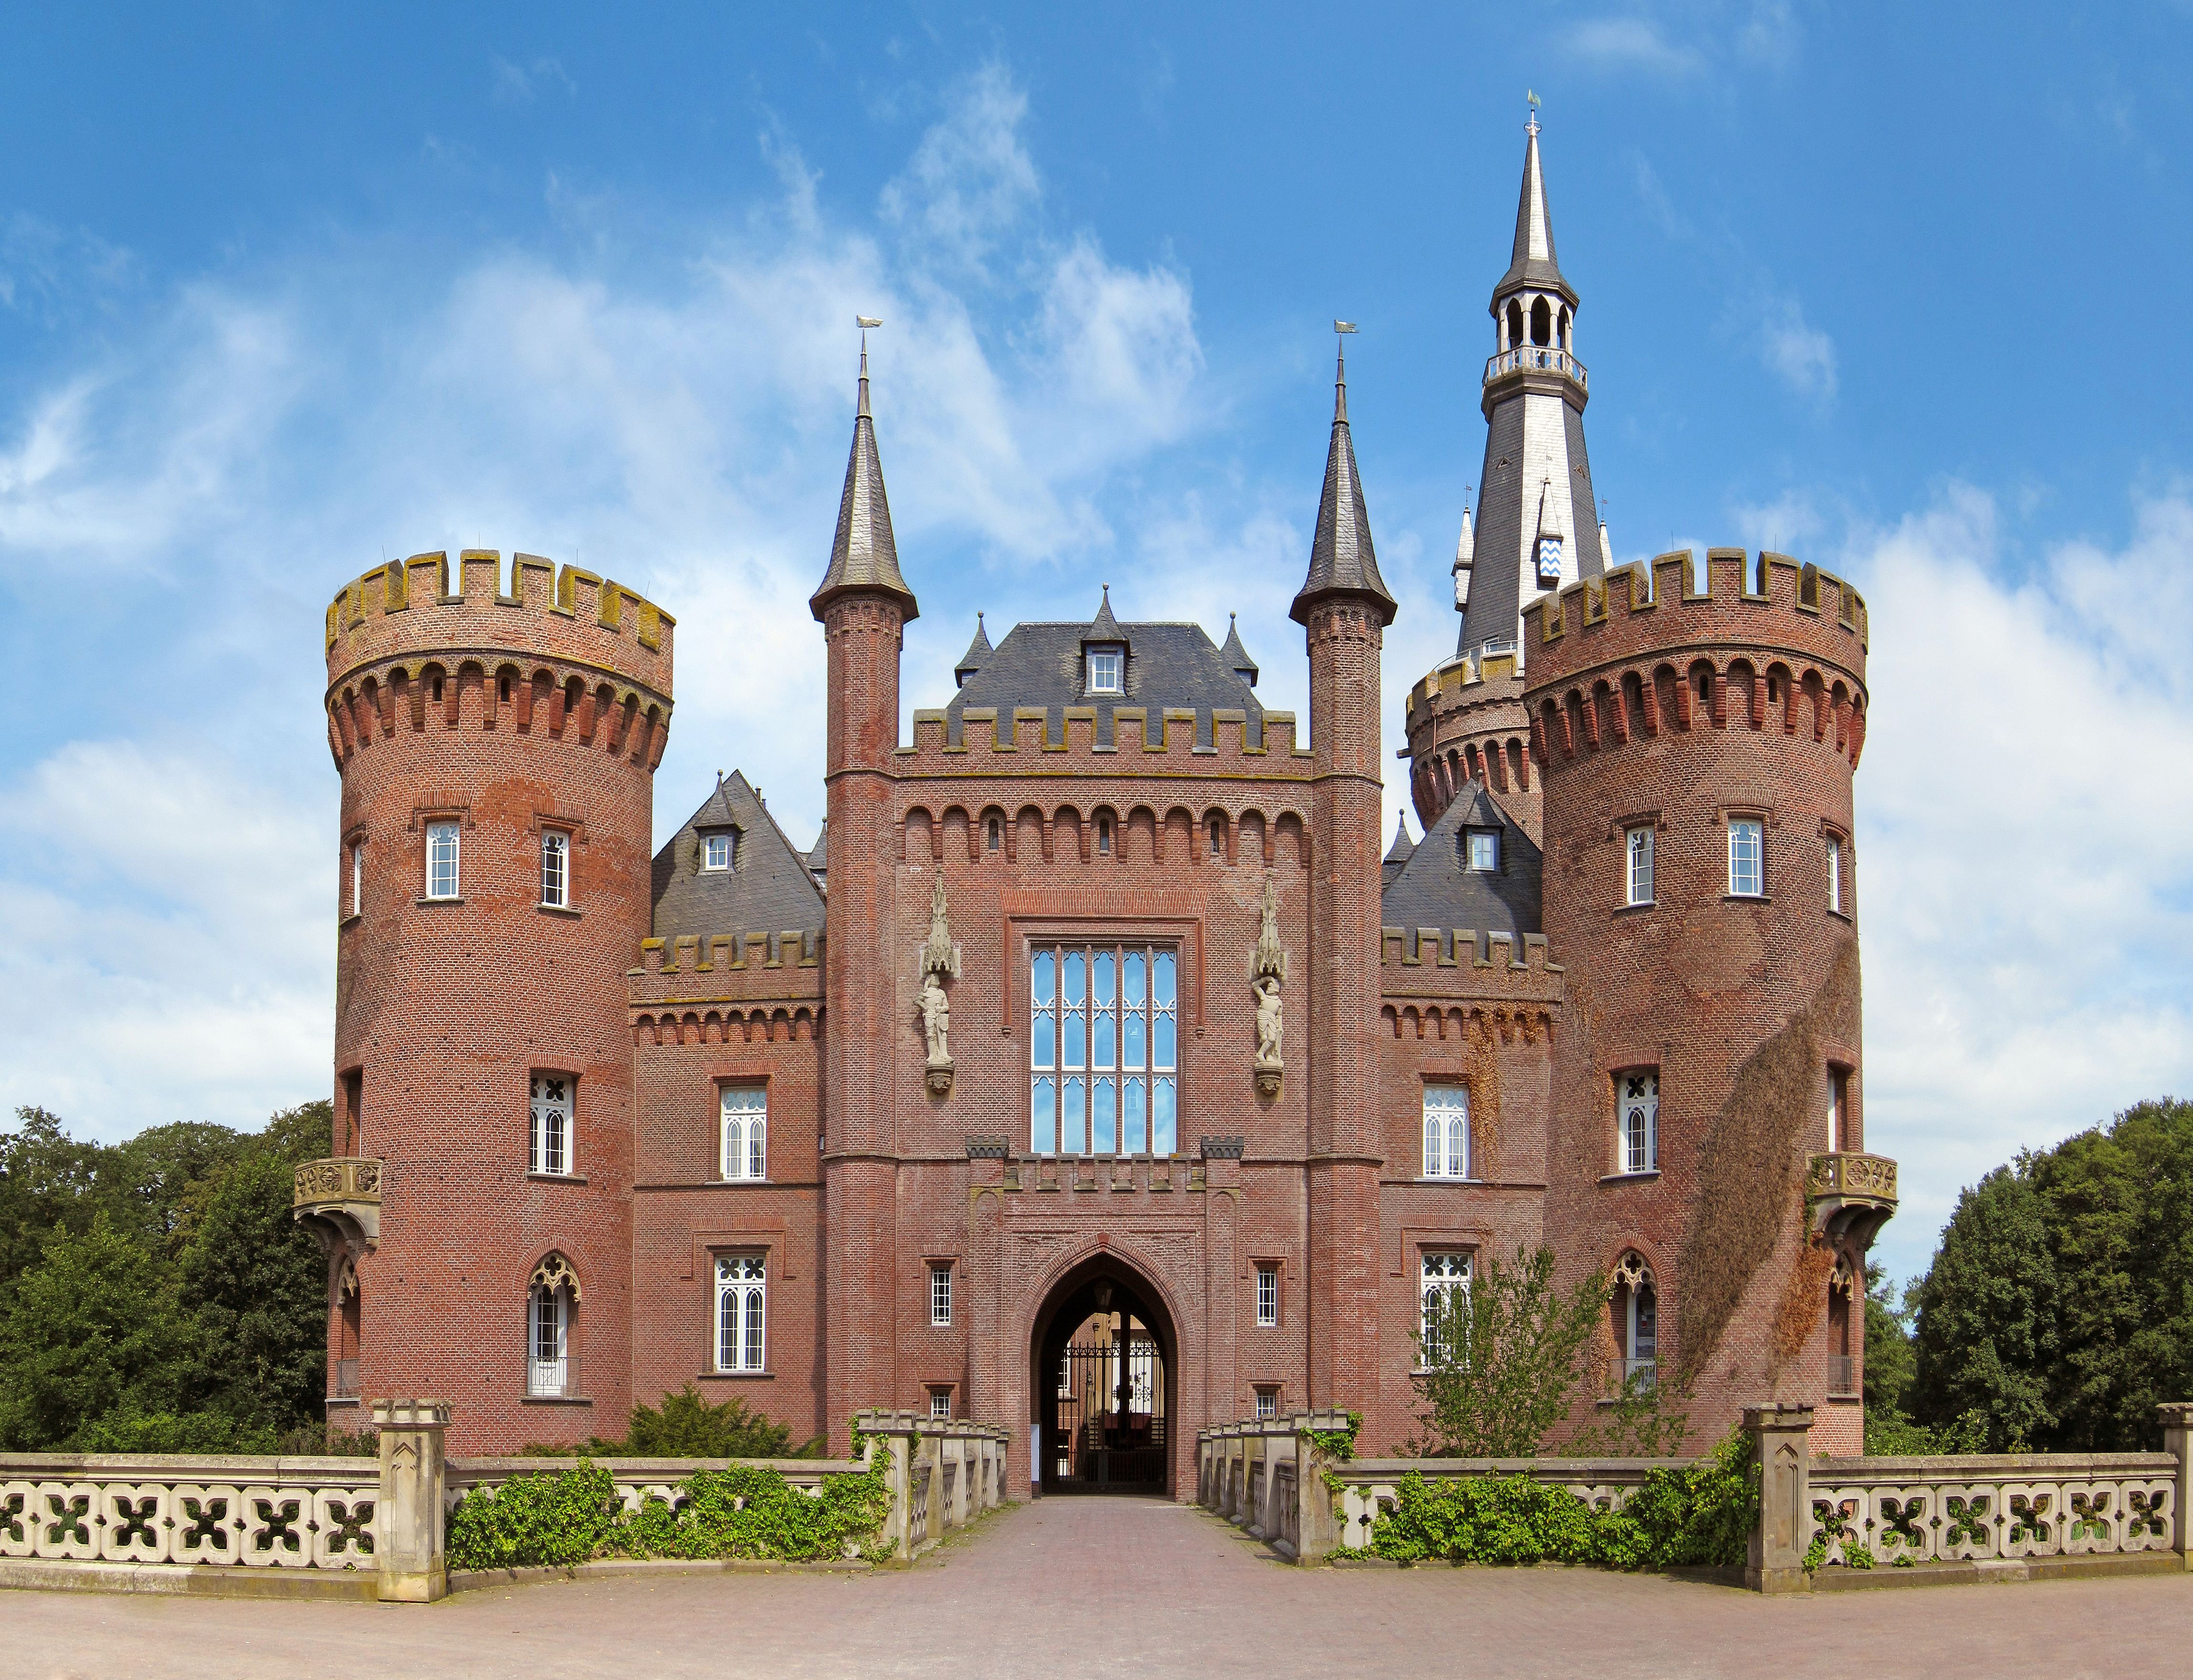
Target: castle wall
x,y
552,707
1741,1005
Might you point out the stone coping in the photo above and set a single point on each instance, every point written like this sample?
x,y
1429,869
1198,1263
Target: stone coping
x,y
473,1580
260,1470
647,1469
1978,1572
210,1580
1966,1467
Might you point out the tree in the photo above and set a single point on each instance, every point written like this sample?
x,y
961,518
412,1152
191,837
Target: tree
x,y
257,1284
1987,1313
1890,1365
46,1181
90,1330
1503,1356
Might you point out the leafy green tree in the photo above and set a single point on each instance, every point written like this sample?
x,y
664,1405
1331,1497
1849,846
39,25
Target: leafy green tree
x,y
256,1282
47,1180
153,1186
1891,1364
91,1330
1986,1319
1501,1358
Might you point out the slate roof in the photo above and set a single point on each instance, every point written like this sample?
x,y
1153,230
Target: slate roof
x,y
1434,889
1169,667
818,856
1533,262
1236,656
767,886
1341,560
1398,853
976,656
864,554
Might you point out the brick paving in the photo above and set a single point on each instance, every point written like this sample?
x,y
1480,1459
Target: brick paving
x,y
1122,1587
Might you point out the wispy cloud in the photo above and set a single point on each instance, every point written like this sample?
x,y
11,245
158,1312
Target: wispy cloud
x,y
512,84
1633,43
1796,352
1680,42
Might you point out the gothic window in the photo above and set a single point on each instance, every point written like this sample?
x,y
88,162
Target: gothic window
x,y
1268,1295
1445,1293
548,1144
1514,325
1104,836
358,878
441,860
1103,1032
1842,1296
993,833
1747,859
555,869
745,1110
1640,851
1542,322
742,1311
1835,874
1219,837
1838,1110
940,1295
1637,1120
1446,1131
551,1372
1635,1304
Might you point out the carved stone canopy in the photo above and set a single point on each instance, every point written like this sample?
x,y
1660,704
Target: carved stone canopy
x,y
555,1272
1271,958
937,955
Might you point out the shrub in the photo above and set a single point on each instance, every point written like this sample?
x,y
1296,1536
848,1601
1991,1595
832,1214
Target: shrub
x,y
687,1427
173,1432
560,1519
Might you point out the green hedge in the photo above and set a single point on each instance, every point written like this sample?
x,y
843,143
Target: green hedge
x,y
1702,1514
571,1516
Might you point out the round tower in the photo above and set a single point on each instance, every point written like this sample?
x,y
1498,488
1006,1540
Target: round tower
x,y
497,753
1697,751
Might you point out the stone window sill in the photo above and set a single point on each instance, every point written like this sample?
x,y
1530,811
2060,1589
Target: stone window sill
x,y
1747,898
1632,909
556,1400
555,1177
1842,915
349,920
424,902
559,910
1629,1178
1848,1399
738,1376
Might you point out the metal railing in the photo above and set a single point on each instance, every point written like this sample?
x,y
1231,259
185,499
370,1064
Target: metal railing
x,y
1842,1373
1632,1375
552,1379
345,1386
1531,357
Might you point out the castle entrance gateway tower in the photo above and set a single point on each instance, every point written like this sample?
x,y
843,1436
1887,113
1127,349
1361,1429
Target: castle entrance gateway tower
x,y
1103,1358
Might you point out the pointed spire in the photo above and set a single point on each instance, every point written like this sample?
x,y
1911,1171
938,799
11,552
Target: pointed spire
x,y
1549,511
1533,262
1403,847
1341,560
1234,656
1103,628
863,555
976,656
1465,557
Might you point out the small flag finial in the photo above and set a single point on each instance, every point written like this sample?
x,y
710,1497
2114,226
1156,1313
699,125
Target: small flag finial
x,y
1532,127
864,322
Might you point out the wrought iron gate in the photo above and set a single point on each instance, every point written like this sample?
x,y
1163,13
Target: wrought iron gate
x,y
1095,1446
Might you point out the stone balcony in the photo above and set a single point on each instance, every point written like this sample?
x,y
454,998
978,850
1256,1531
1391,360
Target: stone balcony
x,y
340,1197
1850,1194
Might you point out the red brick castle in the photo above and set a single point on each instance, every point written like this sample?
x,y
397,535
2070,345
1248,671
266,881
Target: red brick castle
x,y
1100,1079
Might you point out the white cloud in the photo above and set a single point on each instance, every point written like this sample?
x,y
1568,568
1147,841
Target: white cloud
x,y
2026,842
1798,353
1677,42
514,84
1633,43
971,178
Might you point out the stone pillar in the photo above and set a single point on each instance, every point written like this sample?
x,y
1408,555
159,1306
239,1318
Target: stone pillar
x,y
407,1522
1317,1524
1778,1429
2178,1439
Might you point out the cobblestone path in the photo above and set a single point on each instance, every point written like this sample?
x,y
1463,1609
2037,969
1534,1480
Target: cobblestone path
x,y
1122,1587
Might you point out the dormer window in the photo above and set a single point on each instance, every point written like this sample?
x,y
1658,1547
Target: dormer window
x,y
1104,670
1484,852
716,851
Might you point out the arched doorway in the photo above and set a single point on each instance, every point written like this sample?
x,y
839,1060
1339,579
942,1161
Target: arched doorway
x,y
1104,1357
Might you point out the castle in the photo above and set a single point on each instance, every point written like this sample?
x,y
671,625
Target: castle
x,y
1096,1075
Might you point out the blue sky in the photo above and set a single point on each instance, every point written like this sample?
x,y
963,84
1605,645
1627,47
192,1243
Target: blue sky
x,y
282,292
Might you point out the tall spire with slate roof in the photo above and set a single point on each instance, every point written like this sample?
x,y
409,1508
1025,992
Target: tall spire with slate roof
x,y
863,555
1534,530
1341,560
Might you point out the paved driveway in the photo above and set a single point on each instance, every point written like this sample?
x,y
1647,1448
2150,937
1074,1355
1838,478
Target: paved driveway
x,y
1122,1587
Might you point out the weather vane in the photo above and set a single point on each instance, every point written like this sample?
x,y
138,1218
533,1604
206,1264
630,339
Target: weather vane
x,y
1532,94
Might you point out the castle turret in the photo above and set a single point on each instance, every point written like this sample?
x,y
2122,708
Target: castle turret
x,y
863,605
497,752
1700,890
1344,608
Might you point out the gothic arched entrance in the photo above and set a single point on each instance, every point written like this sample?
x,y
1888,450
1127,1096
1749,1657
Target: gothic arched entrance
x,y
1102,1380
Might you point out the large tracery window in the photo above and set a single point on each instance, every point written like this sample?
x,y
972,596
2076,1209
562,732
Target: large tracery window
x,y
1103,1047
741,1305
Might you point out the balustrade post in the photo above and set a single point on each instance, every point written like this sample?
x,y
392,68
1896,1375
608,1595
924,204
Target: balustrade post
x,y
407,1542
2178,1439
1778,1432
1317,1525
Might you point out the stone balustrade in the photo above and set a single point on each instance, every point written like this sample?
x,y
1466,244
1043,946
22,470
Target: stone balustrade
x,y
942,1473
1268,1475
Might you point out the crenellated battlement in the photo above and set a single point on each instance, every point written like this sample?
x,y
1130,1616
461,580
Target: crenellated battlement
x,y
1768,641
569,653
1457,983
1015,741
408,609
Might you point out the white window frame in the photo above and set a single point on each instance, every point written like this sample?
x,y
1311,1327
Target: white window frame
x,y
552,1129
1637,846
940,1292
1107,671
444,858
548,1340
1637,1120
1835,874
710,844
1446,1131
1267,1401
1747,857
1838,1110
1083,1049
741,1313
358,878
555,869
743,1110
939,1405
1268,1295
1441,1272
1490,840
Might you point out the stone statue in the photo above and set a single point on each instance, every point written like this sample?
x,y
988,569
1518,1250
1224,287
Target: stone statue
x,y
1269,1029
936,1020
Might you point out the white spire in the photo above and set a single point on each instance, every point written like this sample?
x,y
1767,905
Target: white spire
x,y
1465,557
